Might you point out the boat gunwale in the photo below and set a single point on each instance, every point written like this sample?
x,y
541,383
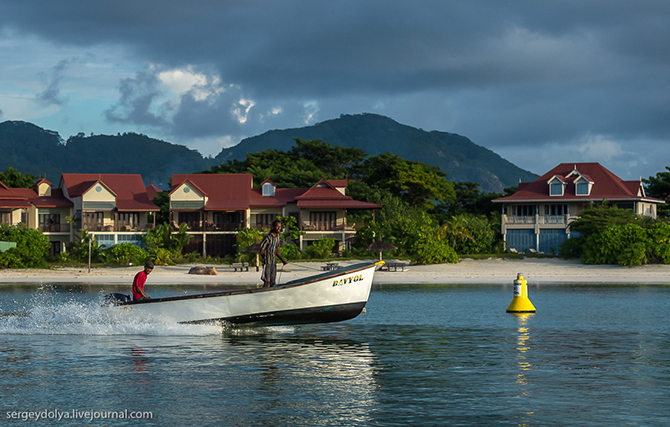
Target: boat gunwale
x,y
293,284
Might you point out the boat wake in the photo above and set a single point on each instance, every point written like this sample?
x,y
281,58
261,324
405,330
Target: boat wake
x,y
53,313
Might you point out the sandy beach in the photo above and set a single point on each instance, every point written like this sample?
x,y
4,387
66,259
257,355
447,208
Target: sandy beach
x,y
490,271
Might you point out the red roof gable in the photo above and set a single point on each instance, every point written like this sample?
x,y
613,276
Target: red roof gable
x,y
280,199
10,199
131,195
224,191
153,191
324,195
56,200
605,185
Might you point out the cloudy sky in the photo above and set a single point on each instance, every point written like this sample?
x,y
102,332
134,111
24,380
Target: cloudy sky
x,y
538,82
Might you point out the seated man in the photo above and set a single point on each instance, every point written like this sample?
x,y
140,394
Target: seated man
x,y
140,279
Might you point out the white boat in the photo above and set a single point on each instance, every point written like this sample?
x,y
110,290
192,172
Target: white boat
x,y
328,297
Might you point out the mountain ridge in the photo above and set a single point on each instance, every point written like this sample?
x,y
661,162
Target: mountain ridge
x,y
31,149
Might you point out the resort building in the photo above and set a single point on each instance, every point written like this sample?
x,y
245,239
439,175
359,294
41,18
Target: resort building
x,y
214,206
115,208
41,207
537,216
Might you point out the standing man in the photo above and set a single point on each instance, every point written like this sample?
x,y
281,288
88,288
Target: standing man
x,y
270,252
140,279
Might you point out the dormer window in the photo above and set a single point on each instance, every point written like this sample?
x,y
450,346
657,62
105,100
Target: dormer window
x,y
582,187
556,189
268,189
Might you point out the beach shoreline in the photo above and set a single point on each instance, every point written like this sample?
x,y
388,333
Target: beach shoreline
x,y
468,271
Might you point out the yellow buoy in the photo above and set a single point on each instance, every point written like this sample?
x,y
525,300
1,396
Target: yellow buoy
x,y
520,303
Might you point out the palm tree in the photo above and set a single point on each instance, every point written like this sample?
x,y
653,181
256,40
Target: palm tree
x,y
456,227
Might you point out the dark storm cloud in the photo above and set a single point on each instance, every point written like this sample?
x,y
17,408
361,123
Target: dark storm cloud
x,y
51,95
317,48
136,105
518,73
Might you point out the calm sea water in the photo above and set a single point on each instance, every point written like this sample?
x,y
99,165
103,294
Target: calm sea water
x,y
421,356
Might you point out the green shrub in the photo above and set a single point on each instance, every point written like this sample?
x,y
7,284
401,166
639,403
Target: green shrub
x,y
126,253
291,251
31,248
621,244
321,249
429,248
571,248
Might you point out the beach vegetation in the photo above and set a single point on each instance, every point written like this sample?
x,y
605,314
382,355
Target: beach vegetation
x,y
78,249
164,245
597,217
321,249
31,249
622,244
125,254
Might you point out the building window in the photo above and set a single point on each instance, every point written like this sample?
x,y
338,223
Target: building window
x,y
525,210
93,221
582,189
49,222
556,210
628,206
191,219
129,220
556,189
5,218
268,190
265,220
323,221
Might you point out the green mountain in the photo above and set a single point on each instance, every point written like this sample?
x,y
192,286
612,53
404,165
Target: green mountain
x,y
457,156
31,149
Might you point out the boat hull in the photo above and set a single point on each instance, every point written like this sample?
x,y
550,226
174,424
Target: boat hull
x,y
330,297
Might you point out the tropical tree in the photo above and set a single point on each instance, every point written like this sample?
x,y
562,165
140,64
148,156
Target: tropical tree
x,y
456,228
15,179
416,183
79,248
597,218
659,187
164,244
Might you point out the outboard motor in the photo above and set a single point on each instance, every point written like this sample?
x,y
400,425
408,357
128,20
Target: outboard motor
x,y
116,299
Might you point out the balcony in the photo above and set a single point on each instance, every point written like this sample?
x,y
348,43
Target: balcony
x,y
326,226
539,219
54,228
119,228
223,226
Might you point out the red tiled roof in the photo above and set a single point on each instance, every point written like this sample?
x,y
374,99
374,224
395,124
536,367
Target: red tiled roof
x,y
56,200
11,199
323,190
606,185
131,195
152,191
13,203
234,192
9,193
224,191
338,183
280,199
337,204
324,195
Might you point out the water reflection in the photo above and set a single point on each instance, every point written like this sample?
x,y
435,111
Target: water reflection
x,y
300,377
523,349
